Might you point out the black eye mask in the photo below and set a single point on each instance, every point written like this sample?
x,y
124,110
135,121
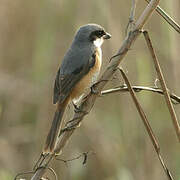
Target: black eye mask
x,y
96,34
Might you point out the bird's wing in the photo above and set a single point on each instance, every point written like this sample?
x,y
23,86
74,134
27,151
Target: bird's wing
x,y
70,72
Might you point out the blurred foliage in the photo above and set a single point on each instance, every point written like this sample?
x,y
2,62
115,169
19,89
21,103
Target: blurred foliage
x,y
34,37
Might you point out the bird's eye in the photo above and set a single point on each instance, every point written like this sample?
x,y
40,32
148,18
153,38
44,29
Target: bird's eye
x,y
100,33
96,34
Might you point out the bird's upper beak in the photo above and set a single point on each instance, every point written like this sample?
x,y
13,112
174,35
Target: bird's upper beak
x,y
107,36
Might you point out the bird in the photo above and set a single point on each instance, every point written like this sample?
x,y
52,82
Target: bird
x,y
78,71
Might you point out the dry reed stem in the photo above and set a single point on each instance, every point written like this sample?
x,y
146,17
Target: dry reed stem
x,y
163,84
130,24
175,99
147,125
167,18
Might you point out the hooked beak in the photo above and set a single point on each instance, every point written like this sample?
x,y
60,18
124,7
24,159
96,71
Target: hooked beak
x,y
107,36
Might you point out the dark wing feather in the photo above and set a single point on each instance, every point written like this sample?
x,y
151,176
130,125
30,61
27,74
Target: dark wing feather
x,y
65,81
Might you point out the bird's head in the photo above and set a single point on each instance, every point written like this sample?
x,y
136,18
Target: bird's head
x,y
93,33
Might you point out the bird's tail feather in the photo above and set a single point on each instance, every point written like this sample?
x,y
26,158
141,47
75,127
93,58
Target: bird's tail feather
x,y
55,127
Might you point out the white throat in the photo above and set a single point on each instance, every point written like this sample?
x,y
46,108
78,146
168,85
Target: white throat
x,y
98,42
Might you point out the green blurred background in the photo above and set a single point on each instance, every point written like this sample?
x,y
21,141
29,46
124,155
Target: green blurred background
x,y
34,36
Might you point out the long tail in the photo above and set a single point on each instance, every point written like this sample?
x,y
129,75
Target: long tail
x,y
55,127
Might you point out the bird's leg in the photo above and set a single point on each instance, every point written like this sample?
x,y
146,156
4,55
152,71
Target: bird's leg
x,y
93,90
76,108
